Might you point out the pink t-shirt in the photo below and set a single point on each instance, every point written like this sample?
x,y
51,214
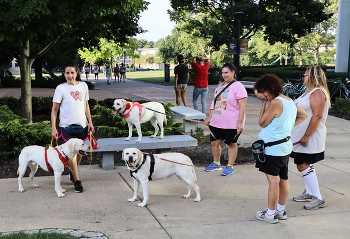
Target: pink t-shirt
x,y
226,112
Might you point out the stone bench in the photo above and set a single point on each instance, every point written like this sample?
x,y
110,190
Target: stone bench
x,y
188,113
110,145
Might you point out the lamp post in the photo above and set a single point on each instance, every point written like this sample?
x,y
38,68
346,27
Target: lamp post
x,y
238,16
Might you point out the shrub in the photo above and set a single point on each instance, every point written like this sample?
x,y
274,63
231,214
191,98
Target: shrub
x,y
342,106
198,134
14,136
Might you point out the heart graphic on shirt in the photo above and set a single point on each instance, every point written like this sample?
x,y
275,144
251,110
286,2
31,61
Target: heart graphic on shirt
x,y
76,95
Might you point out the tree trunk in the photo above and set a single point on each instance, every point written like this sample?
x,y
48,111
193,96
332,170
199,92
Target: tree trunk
x,y
25,64
38,68
317,56
300,58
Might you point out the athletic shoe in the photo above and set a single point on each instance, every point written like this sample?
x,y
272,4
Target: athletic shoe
x,y
213,167
78,187
304,197
71,178
281,215
315,204
227,171
262,216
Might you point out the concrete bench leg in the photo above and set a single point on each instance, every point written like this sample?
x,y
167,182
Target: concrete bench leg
x,y
107,161
188,125
163,151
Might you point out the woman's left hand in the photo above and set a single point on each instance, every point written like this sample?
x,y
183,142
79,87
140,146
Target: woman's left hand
x,y
91,128
304,141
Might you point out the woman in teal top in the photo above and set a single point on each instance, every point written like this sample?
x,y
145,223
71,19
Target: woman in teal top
x,y
278,115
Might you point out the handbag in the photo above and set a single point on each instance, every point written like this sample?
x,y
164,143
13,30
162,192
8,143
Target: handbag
x,y
258,148
93,142
74,129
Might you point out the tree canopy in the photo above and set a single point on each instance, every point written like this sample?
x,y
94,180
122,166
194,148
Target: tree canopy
x,y
280,20
25,25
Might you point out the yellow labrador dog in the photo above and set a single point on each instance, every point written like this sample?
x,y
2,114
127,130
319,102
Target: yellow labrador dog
x,y
144,167
56,160
136,114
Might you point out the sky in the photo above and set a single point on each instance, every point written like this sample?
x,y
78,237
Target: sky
x,y
156,20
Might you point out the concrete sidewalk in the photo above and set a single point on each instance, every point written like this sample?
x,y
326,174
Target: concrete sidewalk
x,y
228,205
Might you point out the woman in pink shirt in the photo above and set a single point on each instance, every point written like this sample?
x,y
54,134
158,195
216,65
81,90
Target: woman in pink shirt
x,y
227,117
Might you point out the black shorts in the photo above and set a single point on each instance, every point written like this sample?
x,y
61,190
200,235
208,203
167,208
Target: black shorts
x,y
227,135
300,158
63,135
274,165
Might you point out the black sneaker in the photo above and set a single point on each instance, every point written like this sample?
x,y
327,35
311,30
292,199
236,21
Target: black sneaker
x,y
71,178
78,187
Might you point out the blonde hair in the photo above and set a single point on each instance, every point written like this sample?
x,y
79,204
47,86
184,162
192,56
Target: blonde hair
x,y
317,79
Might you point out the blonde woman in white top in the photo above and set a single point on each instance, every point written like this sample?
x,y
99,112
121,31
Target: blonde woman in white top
x,y
309,137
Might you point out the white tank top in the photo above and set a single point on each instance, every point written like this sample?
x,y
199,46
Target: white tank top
x,y
317,140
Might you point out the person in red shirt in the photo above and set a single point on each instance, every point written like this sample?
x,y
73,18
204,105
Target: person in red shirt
x,y
201,67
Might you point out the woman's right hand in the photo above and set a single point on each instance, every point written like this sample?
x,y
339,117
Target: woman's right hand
x,y
54,133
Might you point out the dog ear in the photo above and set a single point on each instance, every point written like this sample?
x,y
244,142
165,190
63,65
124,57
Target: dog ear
x,y
71,145
139,155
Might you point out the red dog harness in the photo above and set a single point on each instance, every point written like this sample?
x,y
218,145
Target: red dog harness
x,y
64,159
130,106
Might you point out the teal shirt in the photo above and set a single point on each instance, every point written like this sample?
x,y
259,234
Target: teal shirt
x,y
279,128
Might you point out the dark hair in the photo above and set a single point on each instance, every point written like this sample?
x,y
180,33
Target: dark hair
x,y
198,59
230,66
270,83
180,58
70,64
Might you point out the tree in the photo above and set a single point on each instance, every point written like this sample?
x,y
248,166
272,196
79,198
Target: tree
x,y
25,24
280,20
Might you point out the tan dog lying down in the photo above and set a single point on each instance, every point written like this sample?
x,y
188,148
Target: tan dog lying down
x,y
141,169
136,114
34,155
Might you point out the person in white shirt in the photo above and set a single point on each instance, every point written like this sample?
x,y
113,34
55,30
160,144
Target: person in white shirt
x,y
71,98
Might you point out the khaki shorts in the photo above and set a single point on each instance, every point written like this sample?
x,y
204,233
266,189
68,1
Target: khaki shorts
x,y
182,87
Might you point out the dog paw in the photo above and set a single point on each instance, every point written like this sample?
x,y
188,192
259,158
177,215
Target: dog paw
x,y
35,185
127,139
63,190
197,199
138,141
141,204
161,137
153,136
186,196
21,190
131,199
60,195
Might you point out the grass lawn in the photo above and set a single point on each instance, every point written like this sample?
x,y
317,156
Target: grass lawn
x,y
151,76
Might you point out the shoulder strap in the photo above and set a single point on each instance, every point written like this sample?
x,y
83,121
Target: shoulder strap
x,y
217,96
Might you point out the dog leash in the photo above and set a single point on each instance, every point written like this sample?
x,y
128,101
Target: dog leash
x,y
192,165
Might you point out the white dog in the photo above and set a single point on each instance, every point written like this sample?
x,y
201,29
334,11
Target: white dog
x,y
34,155
144,170
136,114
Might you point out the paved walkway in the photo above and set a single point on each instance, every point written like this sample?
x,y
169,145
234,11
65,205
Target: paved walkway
x,y
228,205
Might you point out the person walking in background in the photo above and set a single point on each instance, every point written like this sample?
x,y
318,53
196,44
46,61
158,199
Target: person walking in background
x,y
277,117
96,71
226,119
201,67
108,74
116,73
181,79
71,99
122,71
87,71
309,138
